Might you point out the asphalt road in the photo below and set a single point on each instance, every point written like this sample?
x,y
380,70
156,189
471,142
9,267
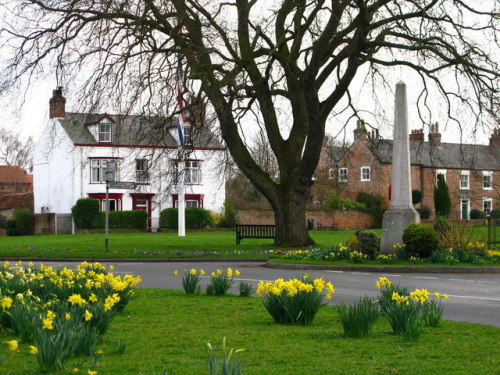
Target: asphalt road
x,y
474,298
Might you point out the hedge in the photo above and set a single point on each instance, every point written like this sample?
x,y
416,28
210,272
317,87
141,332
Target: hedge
x,y
196,218
86,213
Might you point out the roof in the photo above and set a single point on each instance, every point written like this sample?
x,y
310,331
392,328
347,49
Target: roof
x,y
426,154
133,131
14,174
17,200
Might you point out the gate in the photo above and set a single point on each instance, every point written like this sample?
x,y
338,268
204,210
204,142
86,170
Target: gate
x,y
64,224
493,235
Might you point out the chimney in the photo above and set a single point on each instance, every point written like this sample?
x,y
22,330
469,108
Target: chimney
x,y
360,131
495,138
57,104
417,135
435,135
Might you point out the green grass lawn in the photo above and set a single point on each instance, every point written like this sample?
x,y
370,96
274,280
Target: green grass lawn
x,y
167,328
132,245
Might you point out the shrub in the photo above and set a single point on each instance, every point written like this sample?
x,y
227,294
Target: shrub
x,y
85,213
375,204
169,218
442,200
424,212
495,213
228,218
25,221
295,301
420,240
11,228
477,214
197,217
368,242
128,219
353,243
357,320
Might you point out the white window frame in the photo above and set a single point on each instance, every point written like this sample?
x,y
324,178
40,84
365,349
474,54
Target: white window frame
x,y
438,172
465,186
142,170
362,173
192,172
487,202
105,136
331,175
98,166
343,174
487,185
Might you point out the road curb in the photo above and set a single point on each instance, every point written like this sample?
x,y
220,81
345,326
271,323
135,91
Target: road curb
x,y
385,269
289,266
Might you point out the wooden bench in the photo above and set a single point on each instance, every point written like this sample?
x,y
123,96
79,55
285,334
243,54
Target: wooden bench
x,y
334,226
254,231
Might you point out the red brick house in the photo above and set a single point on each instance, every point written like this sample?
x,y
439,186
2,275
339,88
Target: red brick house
x,y
14,180
471,171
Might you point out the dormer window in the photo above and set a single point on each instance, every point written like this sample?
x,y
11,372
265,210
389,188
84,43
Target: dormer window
x,y
105,132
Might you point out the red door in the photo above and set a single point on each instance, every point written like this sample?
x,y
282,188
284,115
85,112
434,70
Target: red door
x,y
143,202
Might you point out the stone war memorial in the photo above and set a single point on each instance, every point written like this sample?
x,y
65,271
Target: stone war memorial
x,y
401,212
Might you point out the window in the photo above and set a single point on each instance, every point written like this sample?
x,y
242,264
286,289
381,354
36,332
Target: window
x,y
442,172
98,169
330,174
343,174
192,172
487,180
191,203
187,135
464,180
365,174
105,132
142,170
115,200
190,200
487,205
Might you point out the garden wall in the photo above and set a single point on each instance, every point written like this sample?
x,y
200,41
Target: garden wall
x,y
345,219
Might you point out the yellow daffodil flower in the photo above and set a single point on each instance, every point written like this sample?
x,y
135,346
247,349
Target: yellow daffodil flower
x,y
13,345
33,349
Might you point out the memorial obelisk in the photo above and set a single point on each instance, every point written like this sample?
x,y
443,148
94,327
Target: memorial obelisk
x,y
401,212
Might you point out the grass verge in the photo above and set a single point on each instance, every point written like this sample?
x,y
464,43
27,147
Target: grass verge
x,y
167,328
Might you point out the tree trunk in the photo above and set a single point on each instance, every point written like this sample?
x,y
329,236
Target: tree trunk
x,y
289,215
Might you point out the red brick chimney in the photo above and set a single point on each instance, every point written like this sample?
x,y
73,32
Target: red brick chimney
x,y
360,132
495,138
435,135
57,104
417,135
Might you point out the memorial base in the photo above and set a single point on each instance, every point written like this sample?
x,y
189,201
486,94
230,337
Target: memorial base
x,y
394,222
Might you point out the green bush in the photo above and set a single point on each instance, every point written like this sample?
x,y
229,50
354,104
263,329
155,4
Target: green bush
x,y
122,220
477,214
375,204
11,228
368,242
25,221
420,240
169,218
196,218
442,200
495,213
85,213
228,219
333,201
424,212
357,319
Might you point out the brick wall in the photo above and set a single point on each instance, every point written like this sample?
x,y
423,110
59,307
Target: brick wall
x,y
345,219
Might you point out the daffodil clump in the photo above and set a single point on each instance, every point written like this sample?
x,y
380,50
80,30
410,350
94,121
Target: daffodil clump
x,y
191,280
295,301
386,258
221,281
60,311
408,312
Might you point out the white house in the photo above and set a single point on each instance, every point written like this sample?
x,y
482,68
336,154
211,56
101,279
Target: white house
x,y
71,156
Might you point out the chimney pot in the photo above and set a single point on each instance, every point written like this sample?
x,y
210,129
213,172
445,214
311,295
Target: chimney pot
x,y
495,138
417,135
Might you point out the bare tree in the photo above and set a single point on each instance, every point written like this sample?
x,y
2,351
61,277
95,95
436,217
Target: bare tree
x,y
13,151
288,65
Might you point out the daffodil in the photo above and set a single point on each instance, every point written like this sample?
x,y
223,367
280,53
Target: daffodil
x,y
176,273
87,315
47,324
6,303
13,345
33,349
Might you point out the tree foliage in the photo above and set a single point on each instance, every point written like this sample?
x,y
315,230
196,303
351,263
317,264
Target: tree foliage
x,y
284,66
13,151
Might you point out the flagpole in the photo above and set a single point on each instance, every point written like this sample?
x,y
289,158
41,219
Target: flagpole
x,y
181,203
